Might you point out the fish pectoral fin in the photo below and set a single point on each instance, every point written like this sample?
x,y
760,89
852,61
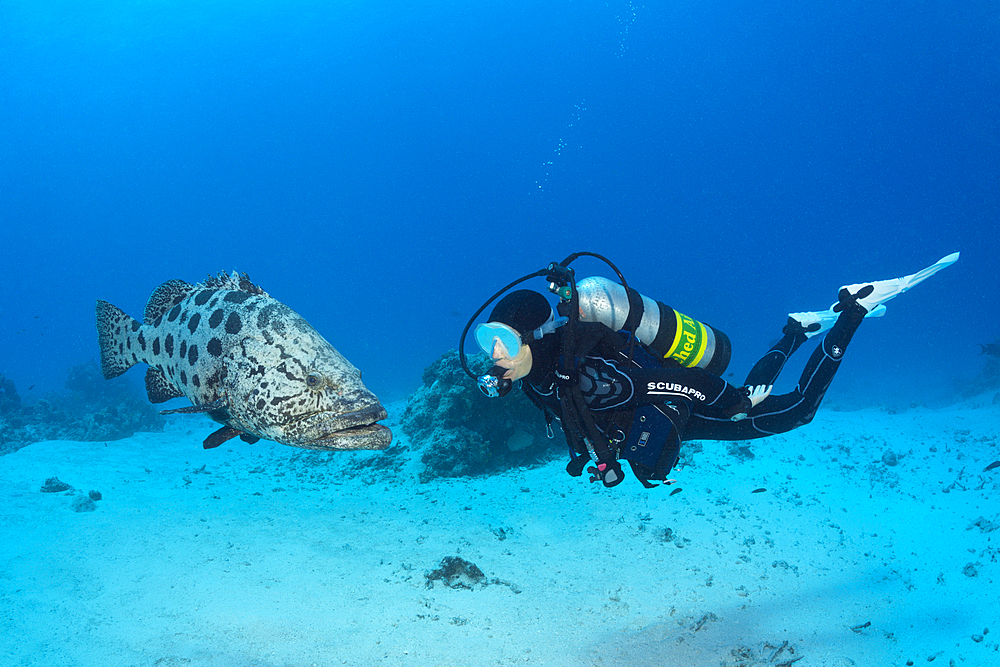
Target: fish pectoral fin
x,y
220,436
159,388
217,404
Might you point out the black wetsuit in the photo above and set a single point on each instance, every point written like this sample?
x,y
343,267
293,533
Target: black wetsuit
x,y
626,390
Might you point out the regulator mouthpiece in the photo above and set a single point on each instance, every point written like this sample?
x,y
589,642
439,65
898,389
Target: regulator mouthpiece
x,y
494,384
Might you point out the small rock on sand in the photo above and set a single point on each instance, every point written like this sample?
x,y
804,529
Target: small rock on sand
x,y
53,485
83,504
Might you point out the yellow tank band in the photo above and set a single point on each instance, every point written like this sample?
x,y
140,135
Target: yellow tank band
x,y
690,341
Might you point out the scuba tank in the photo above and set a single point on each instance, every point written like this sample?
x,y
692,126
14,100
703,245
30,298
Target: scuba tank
x,y
668,333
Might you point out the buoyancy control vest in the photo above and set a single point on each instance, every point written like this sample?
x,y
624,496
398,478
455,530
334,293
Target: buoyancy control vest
x,y
647,436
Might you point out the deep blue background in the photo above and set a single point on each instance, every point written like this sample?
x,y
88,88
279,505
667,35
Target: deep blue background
x,y
383,167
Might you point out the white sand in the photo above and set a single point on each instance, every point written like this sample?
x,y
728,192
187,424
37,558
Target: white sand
x,y
267,555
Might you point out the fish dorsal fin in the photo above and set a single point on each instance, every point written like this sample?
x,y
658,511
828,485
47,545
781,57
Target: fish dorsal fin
x,y
238,282
164,298
159,388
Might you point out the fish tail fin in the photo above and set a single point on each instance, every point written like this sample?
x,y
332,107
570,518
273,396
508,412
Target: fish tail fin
x,y
113,327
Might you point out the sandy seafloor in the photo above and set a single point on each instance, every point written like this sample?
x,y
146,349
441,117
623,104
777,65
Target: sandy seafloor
x,y
261,555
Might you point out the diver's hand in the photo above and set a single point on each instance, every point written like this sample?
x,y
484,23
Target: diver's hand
x,y
759,393
756,395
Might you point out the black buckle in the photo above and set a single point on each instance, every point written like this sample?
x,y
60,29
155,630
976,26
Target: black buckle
x,y
610,474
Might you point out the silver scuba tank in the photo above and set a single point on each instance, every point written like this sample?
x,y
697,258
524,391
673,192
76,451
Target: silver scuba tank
x,y
668,333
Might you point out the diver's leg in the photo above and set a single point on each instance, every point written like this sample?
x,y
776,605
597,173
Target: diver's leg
x,y
779,414
820,369
766,370
782,413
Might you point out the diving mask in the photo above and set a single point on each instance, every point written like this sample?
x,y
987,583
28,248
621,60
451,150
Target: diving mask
x,y
489,334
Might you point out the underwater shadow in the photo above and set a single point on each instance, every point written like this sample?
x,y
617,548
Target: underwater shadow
x,y
780,632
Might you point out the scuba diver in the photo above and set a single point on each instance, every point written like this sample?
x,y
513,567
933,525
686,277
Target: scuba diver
x,y
629,378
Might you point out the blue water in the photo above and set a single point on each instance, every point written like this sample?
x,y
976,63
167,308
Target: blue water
x,y
383,167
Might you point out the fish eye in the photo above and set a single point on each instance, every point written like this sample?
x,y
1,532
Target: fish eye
x,y
315,380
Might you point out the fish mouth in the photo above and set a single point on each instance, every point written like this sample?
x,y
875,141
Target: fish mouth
x,y
351,430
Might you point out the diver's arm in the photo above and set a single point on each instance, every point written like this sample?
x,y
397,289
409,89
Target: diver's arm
x,y
707,393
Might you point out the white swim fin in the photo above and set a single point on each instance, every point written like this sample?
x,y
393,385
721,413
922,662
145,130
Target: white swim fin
x,y
884,290
816,323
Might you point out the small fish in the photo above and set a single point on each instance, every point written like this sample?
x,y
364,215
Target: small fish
x,y
991,350
859,628
761,490
995,464
676,491
246,360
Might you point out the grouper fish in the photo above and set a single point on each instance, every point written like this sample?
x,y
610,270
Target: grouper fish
x,y
246,360
990,349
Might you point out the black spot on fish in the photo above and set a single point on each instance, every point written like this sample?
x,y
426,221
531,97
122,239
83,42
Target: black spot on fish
x,y
236,297
202,297
193,323
193,354
195,380
128,343
168,345
174,312
283,368
216,318
184,317
121,348
183,352
184,378
233,322
261,404
136,324
142,341
134,358
156,345
215,347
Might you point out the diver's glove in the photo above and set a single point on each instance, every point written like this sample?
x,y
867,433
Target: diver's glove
x,y
755,395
